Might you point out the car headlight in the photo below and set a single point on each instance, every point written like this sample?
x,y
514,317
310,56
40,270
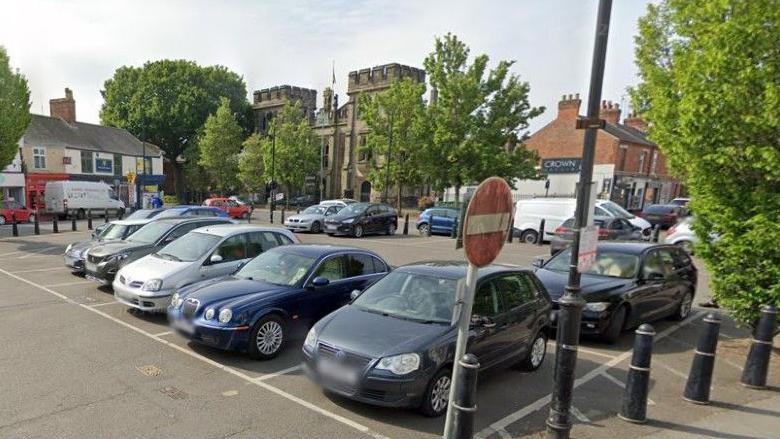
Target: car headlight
x,y
311,339
225,315
400,364
118,257
67,249
597,306
303,221
152,285
349,221
175,300
209,314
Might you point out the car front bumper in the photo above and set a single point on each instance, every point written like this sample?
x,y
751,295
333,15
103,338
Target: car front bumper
x,y
149,301
233,338
592,323
338,229
384,391
74,262
298,227
102,273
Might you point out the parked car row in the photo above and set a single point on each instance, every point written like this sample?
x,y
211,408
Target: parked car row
x,y
370,333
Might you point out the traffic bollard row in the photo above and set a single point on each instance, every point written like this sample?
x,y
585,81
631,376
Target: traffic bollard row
x,y
635,395
465,401
697,389
540,235
757,364
406,224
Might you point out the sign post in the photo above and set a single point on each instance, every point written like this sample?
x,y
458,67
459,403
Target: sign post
x,y
487,221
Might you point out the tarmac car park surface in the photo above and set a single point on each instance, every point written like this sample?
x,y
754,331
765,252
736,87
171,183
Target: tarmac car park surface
x,y
78,364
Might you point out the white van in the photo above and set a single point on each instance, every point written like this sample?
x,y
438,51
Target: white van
x,y
530,212
77,197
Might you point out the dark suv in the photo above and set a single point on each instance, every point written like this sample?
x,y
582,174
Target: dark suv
x,y
359,219
103,261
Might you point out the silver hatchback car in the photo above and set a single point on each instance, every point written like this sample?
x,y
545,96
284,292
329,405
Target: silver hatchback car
x,y
205,253
312,219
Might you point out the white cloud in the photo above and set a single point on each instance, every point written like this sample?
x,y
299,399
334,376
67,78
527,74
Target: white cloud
x,y
79,44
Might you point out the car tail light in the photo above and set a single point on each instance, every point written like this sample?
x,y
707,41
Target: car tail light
x,y
603,233
561,230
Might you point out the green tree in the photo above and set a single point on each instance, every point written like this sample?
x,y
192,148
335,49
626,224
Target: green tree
x,y
710,89
478,120
297,149
14,109
219,146
167,102
250,164
396,118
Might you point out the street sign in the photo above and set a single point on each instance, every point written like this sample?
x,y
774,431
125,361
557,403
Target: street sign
x,y
589,240
488,220
486,223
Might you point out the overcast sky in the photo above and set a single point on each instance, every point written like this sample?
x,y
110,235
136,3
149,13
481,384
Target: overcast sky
x,y
79,43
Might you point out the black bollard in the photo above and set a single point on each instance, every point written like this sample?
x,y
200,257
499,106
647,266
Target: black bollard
x,y
757,364
465,403
406,224
697,389
430,227
272,214
73,227
14,225
297,210
89,219
454,231
55,226
635,394
540,235
656,232
105,217
37,224
281,221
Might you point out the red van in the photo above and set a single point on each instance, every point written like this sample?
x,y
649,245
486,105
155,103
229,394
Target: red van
x,y
233,209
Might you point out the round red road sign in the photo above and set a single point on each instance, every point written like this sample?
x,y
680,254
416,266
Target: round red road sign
x,y
488,220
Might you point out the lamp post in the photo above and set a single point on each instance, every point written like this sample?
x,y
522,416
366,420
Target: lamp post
x,y
387,156
273,170
571,304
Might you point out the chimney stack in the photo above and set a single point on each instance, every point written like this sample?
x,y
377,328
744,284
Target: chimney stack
x,y
64,108
569,107
635,122
610,112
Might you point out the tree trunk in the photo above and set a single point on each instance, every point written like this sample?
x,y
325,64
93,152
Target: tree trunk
x,y
398,197
457,193
178,180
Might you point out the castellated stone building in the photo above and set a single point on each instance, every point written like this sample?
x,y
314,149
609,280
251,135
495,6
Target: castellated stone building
x,y
341,131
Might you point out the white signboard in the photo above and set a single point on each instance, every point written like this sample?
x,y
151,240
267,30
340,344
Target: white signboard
x,y
279,196
589,239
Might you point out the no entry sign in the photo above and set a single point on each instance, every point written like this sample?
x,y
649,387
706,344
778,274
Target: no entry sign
x,y
488,220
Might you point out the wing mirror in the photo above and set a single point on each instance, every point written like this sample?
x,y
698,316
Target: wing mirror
x,y
481,322
354,294
537,262
215,259
654,276
319,282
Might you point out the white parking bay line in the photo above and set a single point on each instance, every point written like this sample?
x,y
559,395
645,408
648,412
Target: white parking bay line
x,y
579,415
96,305
334,416
36,270
164,333
67,284
281,372
501,424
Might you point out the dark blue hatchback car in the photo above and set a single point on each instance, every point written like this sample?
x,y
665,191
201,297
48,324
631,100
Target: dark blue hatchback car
x,y
273,298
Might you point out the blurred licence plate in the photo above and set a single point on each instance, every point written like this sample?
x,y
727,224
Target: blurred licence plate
x,y
330,227
335,371
184,326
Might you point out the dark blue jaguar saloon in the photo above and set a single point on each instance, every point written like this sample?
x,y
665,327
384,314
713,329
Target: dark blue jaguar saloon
x,y
274,296
393,345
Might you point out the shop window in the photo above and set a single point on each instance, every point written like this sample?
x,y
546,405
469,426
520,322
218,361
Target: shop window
x,y
118,165
87,163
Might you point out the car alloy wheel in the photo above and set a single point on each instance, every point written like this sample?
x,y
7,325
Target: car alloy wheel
x,y
269,338
529,237
423,229
358,233
684,309
315,227
440,394
391,230
538,351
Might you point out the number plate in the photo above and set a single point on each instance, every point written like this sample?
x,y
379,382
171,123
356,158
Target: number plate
x,y
330,227
340,373
184,326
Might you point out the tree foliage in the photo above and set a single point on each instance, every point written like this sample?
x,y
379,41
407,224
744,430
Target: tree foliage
x,y
397,140
167,102
220,145
479,119
14,109
250,164
297,150
710,89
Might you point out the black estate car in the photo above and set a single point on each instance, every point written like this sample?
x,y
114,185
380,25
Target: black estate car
x,y
393,345
665,215
101,262
359,219
629,284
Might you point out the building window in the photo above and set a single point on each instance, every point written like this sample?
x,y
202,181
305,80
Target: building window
x,y
39,158
642,162
87,162
654,162
118,165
